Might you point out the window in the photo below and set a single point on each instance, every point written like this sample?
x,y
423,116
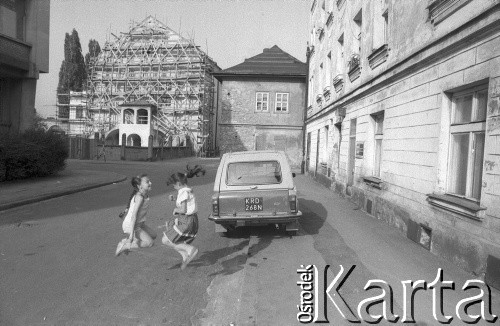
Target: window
x,y
340,55
142,116
261,102
467,135
328,71
327,135
378,119
385,33
79,113
128,116
12,16
357,30
253,173
282,102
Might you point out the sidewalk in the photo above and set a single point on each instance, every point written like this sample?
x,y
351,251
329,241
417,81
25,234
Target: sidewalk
x,y
71,180
335,232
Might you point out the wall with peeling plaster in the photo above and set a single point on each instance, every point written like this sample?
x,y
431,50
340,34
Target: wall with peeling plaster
x,y
429,58
241,128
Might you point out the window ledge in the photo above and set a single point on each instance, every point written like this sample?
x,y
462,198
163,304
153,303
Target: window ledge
x,y
441,9
457,205
378,56
373,182
354,73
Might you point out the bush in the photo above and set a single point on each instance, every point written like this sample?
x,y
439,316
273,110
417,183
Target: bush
x,y
34,153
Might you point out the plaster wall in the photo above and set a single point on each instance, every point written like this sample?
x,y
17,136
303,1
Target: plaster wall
x,y
414,91
241,127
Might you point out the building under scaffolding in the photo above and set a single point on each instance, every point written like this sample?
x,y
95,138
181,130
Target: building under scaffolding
x,y
72,118
153,63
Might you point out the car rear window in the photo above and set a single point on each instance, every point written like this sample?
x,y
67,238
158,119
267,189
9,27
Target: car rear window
x,y
253,173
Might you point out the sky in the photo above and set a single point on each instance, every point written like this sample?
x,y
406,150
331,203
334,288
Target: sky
x,y
228,30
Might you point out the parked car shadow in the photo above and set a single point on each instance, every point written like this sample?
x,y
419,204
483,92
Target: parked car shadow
x,y
313,216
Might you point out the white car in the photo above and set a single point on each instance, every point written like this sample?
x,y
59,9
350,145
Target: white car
x,y
254,188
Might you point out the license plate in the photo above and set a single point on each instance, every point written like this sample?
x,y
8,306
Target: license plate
x,y
253,204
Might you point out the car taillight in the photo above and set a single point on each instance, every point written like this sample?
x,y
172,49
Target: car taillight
x,y
293,203
215,205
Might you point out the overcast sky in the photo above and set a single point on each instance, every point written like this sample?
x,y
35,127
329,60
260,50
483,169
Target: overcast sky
x,y
231,29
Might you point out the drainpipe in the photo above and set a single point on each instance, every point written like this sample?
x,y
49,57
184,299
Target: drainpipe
x,y
304,129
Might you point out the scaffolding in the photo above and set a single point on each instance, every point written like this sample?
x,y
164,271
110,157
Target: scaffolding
x,y
151,62
72,113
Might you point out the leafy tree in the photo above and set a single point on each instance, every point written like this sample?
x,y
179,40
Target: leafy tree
x,y
72,75
38,122
94,50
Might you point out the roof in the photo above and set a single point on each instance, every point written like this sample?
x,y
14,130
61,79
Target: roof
x,y
271,62
254,155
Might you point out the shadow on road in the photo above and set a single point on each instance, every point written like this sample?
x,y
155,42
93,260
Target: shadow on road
x,y
313,216
265,235
231,265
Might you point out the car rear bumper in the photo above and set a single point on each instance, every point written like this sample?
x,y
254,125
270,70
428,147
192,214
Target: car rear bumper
x,y
249,220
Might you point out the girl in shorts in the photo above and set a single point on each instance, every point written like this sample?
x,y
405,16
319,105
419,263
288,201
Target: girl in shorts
x,y
134,223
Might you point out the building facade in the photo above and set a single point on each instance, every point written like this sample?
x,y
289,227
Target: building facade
x,y
262,105
404,118
72,118
153,63
24,54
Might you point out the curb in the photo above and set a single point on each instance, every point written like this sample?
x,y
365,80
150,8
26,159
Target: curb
x,y
57,194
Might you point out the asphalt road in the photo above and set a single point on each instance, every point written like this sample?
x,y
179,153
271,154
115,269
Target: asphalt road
x,y
58,267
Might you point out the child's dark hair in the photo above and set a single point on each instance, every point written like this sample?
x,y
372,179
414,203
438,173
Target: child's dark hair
x,y
182,177
136,181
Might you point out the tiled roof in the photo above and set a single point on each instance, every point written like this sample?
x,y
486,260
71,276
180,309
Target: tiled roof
x,y
271,62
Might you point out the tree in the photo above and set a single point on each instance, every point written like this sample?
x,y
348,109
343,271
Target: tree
x,y
94,50
38,122
72,75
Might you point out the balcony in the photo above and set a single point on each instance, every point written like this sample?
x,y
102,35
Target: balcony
x,y
378,56
320,32
326,93
354,67
338,83
439,10
319,98
14,53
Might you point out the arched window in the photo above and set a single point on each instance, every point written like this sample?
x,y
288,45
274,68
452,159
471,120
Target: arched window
x,y
128,116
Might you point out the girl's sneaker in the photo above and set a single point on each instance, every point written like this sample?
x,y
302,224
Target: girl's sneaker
x,y
189,258
122,246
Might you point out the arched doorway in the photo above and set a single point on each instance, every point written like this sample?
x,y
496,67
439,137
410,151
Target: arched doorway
x,y
112,138
134,140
